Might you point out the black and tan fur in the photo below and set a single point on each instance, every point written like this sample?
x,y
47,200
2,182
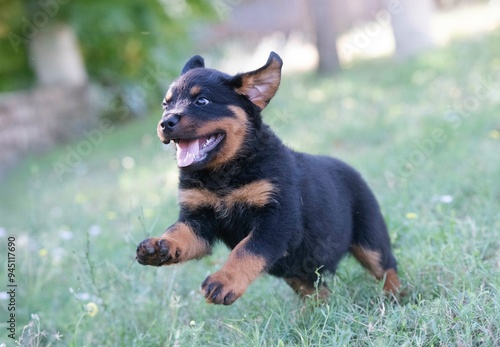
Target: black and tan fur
x,y
281,212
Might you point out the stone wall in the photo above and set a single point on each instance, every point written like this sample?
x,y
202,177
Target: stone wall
x,y
59,108
35,120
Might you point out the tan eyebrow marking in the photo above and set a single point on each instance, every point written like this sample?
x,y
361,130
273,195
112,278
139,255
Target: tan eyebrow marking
x,y
195,90
169,94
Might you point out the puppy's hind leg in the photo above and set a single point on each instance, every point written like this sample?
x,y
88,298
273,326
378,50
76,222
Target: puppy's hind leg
x,y
381,265
306,288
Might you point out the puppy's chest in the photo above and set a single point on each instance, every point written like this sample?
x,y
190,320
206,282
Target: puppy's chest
x,y
253,195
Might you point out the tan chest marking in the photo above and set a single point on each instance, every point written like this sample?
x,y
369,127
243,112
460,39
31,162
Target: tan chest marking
x,y
255,194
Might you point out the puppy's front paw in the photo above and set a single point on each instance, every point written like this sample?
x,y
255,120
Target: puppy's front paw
x,y
156,252
222,289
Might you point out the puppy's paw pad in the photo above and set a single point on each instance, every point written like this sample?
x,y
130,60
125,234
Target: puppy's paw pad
x,y
154,251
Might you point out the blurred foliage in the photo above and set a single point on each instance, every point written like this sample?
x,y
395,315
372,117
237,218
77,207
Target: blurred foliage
x,y
121,42
14,70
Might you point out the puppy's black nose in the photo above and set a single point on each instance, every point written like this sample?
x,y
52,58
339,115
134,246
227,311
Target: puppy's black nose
x,y
169,122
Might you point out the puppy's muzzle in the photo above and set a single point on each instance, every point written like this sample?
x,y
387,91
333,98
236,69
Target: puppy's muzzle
x,y
169,122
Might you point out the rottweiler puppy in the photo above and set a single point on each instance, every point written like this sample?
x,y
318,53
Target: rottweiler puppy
x,y
289,214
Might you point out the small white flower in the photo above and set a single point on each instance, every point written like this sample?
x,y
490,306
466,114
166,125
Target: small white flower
x,y
128,163
446,199
66,235
82,296
58,254
94,230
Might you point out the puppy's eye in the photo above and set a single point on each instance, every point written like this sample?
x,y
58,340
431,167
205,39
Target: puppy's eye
x,y
164,104
201,101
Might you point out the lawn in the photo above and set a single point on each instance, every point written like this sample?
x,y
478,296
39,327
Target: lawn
x,y
425,134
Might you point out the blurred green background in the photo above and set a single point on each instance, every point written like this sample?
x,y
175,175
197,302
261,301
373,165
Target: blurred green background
x,y
407,92
117,41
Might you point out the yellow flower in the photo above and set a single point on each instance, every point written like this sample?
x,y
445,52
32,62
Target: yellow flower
x,y
495,134
43,252
91,309
411,215
111,215
80,198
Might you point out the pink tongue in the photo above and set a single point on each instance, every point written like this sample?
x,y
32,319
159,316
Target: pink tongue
x,y
187,152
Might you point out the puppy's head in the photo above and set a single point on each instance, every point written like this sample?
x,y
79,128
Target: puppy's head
x,y
208,114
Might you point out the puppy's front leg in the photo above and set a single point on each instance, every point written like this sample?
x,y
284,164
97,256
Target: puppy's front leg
x,y
241,268
179,243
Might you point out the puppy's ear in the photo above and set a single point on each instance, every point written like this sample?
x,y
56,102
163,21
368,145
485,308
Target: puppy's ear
x,y
259,86
192,63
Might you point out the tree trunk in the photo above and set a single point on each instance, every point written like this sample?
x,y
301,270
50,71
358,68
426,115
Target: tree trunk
x,y
411,25
326,35
56,57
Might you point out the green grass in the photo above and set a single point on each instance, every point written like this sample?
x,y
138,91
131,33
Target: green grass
x,y
420,132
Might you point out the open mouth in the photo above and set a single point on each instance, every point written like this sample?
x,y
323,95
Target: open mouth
x,y
195,150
